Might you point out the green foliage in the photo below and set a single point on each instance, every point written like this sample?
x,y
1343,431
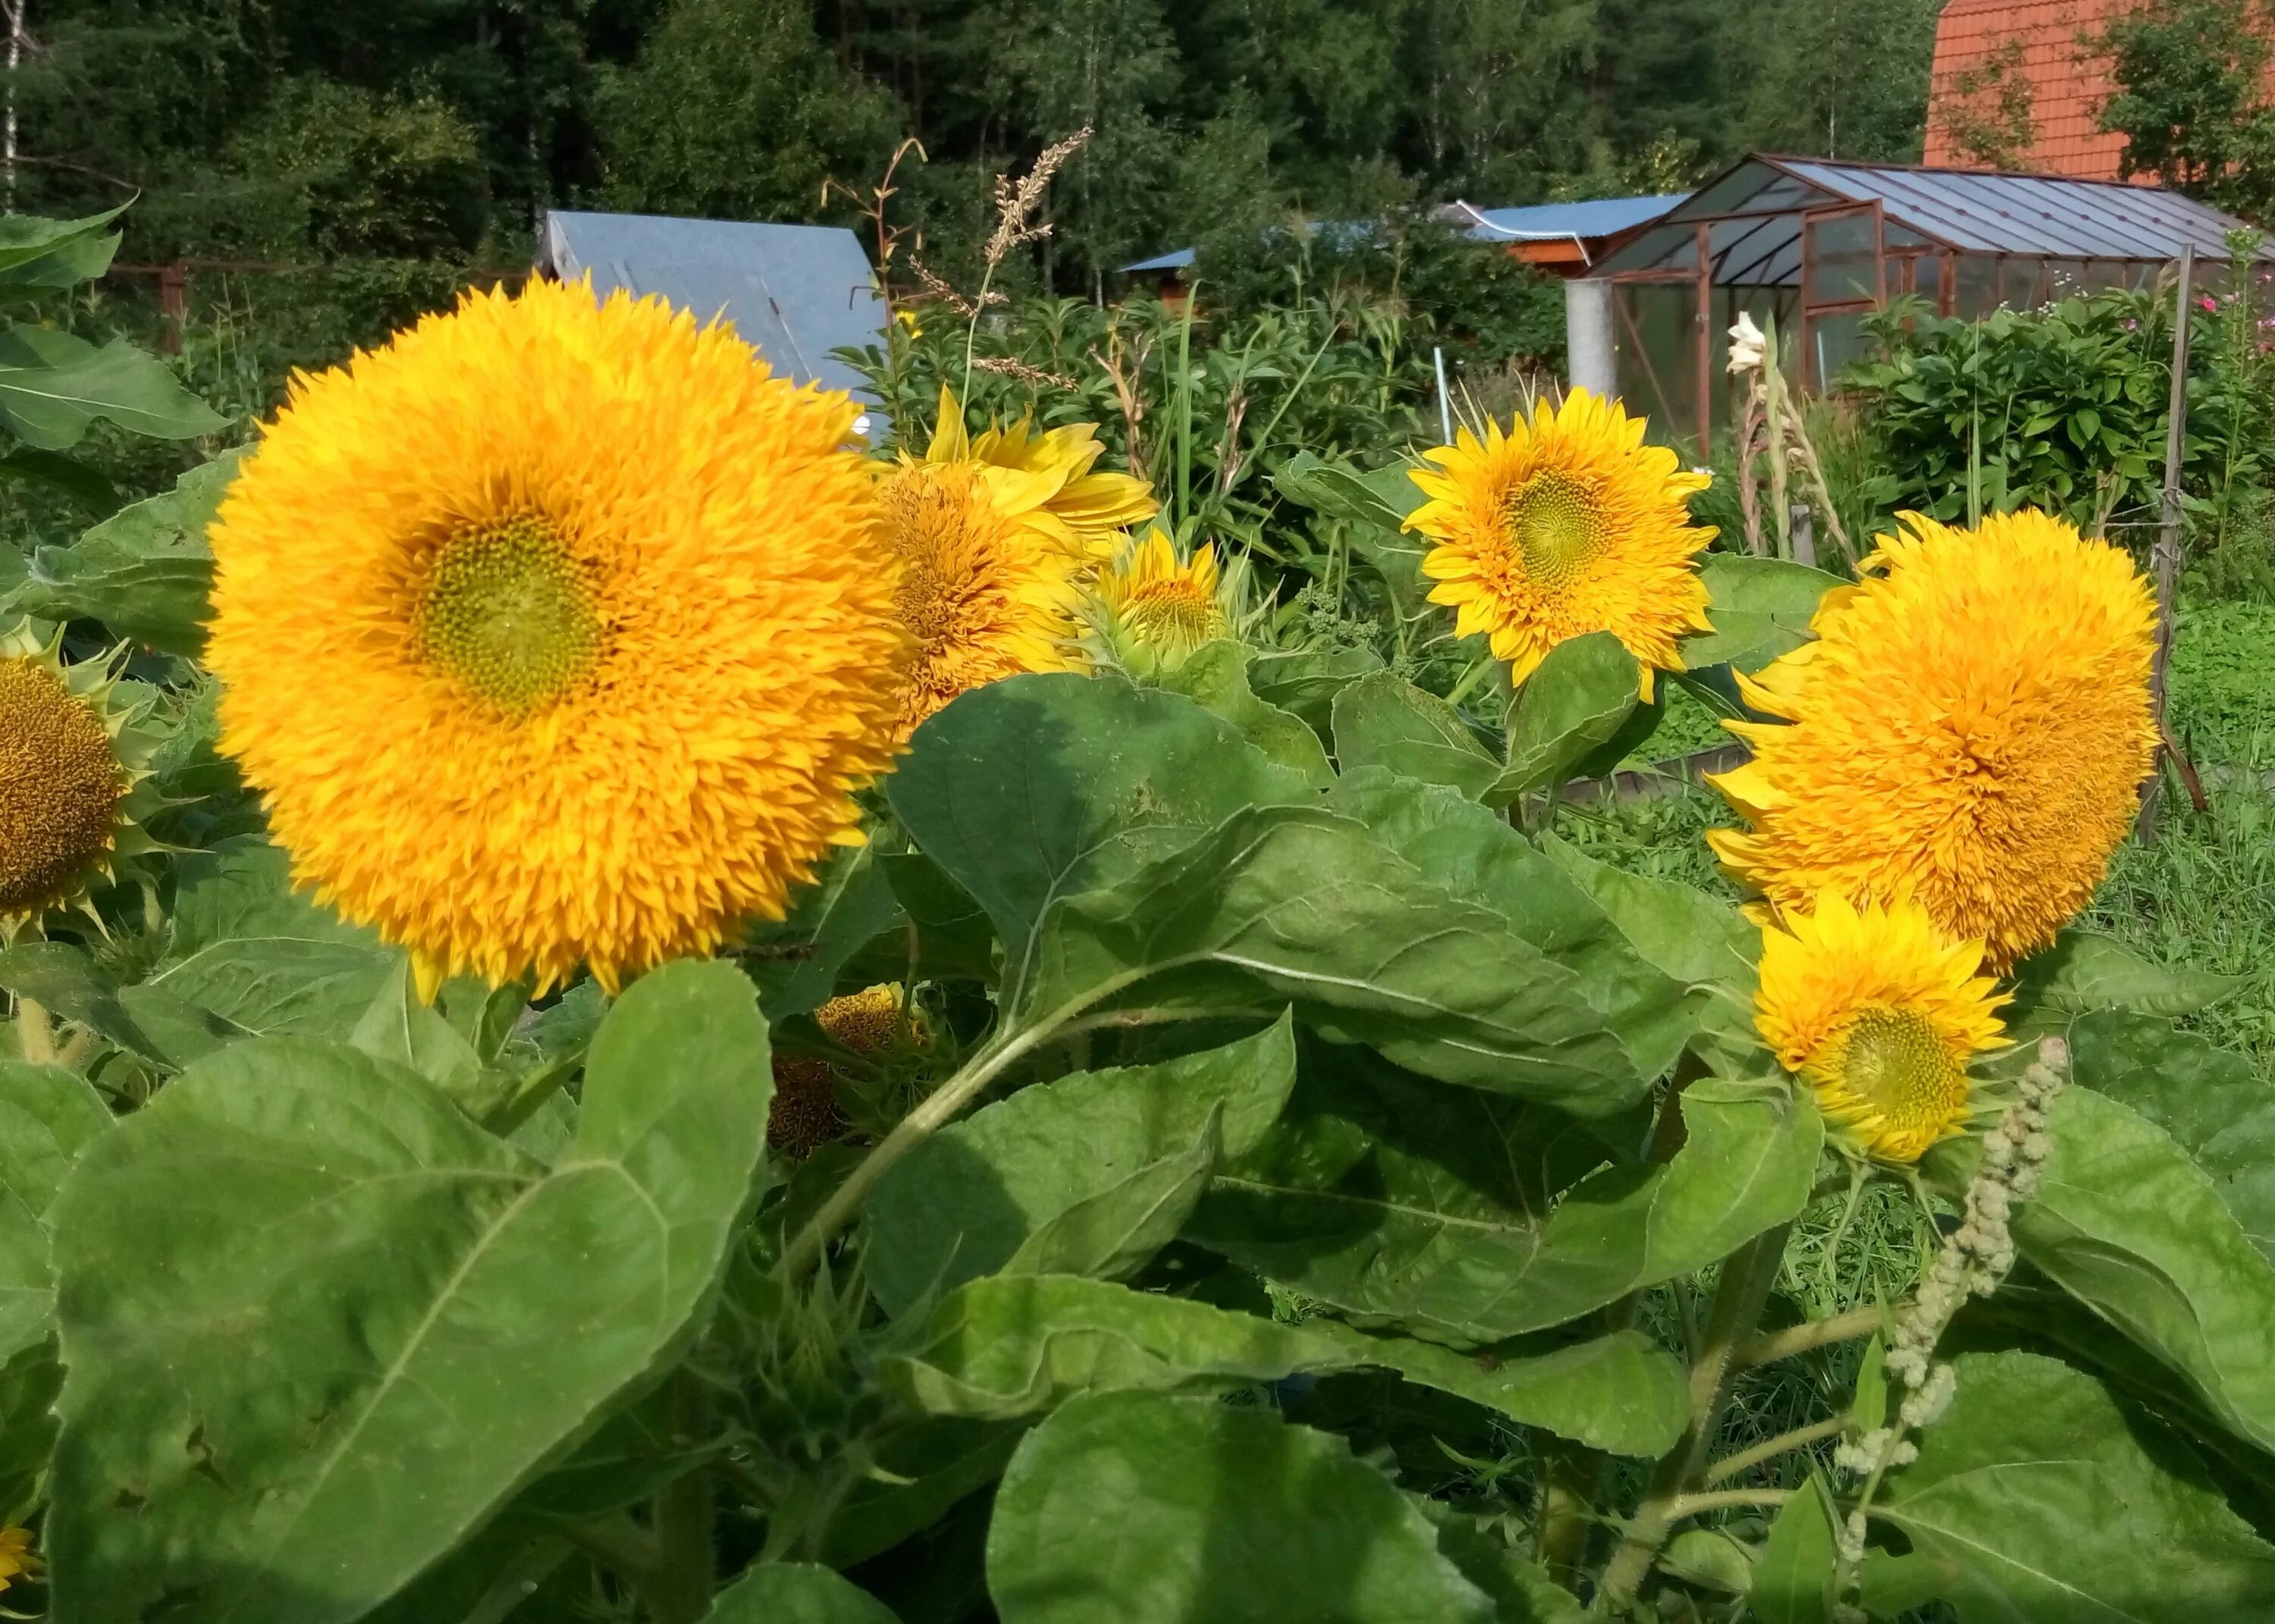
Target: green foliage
x,y
2191,99
2061,409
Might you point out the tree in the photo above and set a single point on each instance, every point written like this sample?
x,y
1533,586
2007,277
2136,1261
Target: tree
x,y
734,109
2191,101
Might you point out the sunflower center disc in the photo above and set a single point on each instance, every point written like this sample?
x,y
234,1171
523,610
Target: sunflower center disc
x,y
506,612
1553,523
1894,1059
59,789
1173,615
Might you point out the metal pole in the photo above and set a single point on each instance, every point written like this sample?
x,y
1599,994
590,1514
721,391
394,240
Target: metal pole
x,y
1444,401
2167,556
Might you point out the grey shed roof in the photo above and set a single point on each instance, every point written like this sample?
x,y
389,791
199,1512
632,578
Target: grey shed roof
x,y
2041,216
793,292
1597,218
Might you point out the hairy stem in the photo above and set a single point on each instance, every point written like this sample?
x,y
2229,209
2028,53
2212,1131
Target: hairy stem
x,y
1807,1335
1769,1449
679,1589
35,1033
1724,1499
1747,1277
1565,1516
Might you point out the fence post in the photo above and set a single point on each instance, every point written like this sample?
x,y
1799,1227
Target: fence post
x,y
2167,557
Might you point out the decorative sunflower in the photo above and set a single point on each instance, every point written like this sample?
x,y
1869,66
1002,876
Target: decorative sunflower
x,y
995,539
1563,526
1971,728
74,767
556,631
16,1559
1152,611
1084,512
1879,1012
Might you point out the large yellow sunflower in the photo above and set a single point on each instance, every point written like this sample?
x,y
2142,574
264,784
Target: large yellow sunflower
x,y
1563,526
556,631
1971,728
996,538
1879,1012
74,762
1152,610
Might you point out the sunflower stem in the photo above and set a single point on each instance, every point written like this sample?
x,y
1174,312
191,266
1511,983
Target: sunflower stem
x,y
1739,1299
1769,1449
679,1590
1809,1335
35,1033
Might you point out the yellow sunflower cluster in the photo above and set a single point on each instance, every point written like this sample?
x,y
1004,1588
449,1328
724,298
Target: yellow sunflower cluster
x,y
996,538
1152,609
558,632
1958,754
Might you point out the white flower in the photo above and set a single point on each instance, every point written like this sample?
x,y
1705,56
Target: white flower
x,y
1747,345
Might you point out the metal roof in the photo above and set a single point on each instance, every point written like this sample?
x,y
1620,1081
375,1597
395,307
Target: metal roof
x,y
792,293
1599,217
1179,259
1755,211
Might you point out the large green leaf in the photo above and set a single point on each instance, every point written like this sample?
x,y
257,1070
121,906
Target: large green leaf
x,y
1011,1346
2214,1103
149,1020
2128,1226
2037,1499
1178,1511
1293,903
964,1202
1477,854
1042,787
28,245
1761,609
47,1117
54,385
318,1326
252,950
2084,971
1384,721
797,1593
1390,1199
146,572
1793,1580
1573,706
1215,676
796,962
1378,500
1306,684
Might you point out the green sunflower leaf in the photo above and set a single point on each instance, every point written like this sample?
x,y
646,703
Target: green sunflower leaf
x,y
2084,971
1293,903
48,1116
2037,1497
1466,1221
1137,1506
797,1593
1011,1346
146,572
53,386
1041,787
1571,710
320,1327
1383,721
1761,609
964,1201
1215,678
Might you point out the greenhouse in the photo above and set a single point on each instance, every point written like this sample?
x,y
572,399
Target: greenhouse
x,y
1820,245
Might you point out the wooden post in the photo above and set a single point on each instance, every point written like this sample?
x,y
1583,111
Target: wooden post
x,y
2167,556
1804,534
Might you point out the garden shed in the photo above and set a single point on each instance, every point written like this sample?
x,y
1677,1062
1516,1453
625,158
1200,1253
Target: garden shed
x,y
794,292
1820,245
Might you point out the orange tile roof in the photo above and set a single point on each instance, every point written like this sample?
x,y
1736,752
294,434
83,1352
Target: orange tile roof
x,y
2068,85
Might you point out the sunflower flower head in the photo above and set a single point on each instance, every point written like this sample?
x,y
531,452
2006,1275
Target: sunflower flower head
x,y
1151,610
555,631
871,1024
1563,526
74,767
1879,1012
17,1561
1971,728
1085,512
